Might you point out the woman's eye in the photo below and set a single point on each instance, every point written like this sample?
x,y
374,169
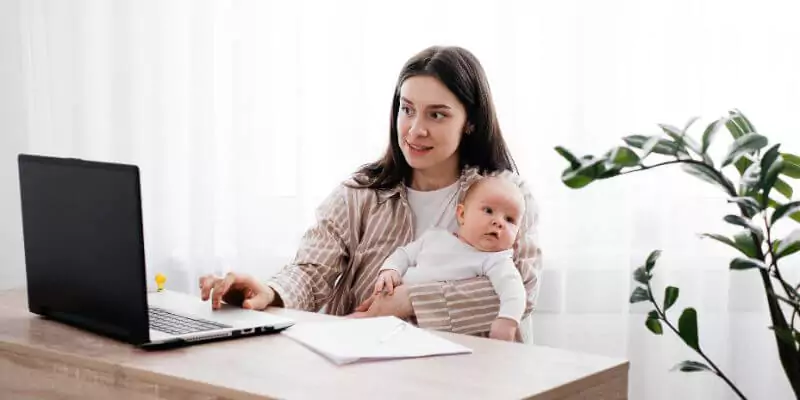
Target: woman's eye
x,y
406,110
437,115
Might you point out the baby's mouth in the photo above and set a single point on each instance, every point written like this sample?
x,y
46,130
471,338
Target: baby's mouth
x,y
493,234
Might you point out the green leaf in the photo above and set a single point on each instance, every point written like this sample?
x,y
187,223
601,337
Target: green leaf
x,y
789,245
784,188
654,325
783,210
710,132
623,157
770,156
741,120
743,163
747,263
588,171
574,162
636,141
738,124
771,166
640,275
748,143
785,335
605,173
670,297
735,130
737,220
774,204
681,138
742,242
653,144
687,328
749,204
708,174
639,294
770,178
692,366
575,180
651,260
792,165
653,314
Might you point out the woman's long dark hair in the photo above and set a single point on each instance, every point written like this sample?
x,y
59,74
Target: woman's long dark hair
x,y
484,148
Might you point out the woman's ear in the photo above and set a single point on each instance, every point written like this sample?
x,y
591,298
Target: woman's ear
x,y
460,214
468,128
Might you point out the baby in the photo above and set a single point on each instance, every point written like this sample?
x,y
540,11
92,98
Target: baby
x,y
488,222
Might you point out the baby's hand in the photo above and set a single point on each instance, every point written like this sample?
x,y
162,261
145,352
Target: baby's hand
x,y
387,281
504,329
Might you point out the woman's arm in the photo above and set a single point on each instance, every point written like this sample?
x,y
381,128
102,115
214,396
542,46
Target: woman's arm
x,y
470,306
307,283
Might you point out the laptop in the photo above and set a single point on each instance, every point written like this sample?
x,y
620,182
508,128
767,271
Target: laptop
x,y
85,260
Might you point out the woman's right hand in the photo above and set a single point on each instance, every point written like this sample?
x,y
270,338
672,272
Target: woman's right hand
x,y
237,289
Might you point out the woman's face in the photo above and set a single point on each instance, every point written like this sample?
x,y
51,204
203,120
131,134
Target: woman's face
x,y
430,123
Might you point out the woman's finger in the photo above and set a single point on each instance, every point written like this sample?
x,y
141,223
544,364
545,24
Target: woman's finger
x,y
206,284
390,286
363,307
220,288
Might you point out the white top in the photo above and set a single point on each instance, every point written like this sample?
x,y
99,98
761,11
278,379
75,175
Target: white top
x,y
434,209
440,256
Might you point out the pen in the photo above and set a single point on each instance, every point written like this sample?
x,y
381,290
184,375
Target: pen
x,y
393,332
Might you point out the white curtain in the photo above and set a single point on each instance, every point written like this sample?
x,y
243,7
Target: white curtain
x,y
242,115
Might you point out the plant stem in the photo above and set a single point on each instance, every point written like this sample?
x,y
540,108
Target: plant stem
x,y
774,263
787,354
717,371
646,167
731,190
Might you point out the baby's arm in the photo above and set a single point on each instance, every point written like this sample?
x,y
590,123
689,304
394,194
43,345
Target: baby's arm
x,y
507,282
396,266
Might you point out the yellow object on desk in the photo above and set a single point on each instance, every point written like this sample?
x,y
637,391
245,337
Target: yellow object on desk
x,y
160,279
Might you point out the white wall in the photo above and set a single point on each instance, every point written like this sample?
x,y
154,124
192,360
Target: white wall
x,y
13,130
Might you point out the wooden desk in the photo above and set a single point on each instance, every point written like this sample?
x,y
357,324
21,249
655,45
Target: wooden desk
x,y
43,359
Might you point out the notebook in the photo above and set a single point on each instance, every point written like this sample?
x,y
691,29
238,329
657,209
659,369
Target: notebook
x,y
348,340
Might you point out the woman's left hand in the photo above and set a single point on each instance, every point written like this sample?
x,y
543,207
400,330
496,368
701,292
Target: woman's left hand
x,y
379,305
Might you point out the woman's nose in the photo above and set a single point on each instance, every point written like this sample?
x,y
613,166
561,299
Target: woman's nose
x,y
417,128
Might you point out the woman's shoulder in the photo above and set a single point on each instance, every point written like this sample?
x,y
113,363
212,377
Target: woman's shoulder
x,y
353,190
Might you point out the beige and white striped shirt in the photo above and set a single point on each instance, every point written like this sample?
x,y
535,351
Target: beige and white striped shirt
x,y
339,258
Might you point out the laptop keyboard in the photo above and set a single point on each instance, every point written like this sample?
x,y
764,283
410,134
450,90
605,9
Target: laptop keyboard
x,y
174,324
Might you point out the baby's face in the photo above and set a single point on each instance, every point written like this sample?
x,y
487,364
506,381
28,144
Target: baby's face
x,y
489,219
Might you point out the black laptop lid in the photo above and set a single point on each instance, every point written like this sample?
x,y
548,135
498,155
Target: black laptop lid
x,y
84,250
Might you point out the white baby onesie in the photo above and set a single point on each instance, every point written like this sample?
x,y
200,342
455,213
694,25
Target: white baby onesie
x,y
441,256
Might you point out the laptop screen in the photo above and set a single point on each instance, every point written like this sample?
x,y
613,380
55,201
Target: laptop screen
x,y
84,251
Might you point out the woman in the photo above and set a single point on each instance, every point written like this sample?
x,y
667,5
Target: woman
x,y
444,136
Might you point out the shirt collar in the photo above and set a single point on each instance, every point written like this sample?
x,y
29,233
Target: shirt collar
x,y
468,176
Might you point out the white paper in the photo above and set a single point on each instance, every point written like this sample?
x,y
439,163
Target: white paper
x,y
348,340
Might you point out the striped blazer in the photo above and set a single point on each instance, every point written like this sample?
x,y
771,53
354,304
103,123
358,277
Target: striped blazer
x,y
339,257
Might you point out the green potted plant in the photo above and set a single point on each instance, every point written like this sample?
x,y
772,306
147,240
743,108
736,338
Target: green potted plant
x,y
761,170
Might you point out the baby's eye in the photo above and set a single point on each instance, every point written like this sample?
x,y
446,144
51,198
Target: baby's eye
x,y
487,210
510,220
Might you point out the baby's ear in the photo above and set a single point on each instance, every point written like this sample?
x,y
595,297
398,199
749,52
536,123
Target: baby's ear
x,y
460,214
